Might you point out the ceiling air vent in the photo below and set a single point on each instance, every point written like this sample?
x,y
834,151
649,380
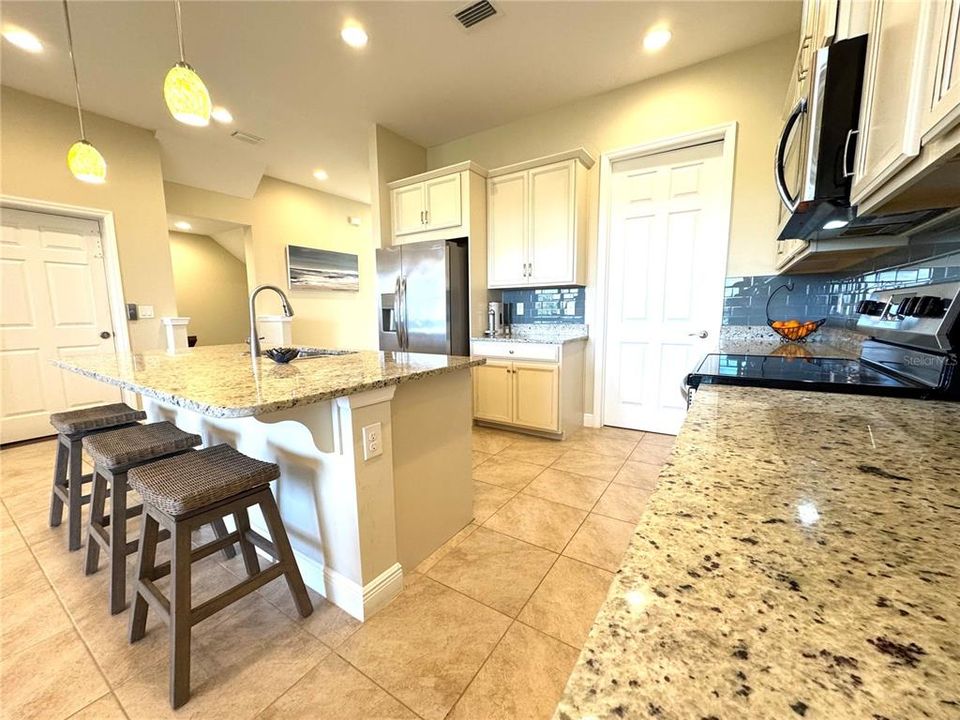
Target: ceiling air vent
x,y
246,137
476,12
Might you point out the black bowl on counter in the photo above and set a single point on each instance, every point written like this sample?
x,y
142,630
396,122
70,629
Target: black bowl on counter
x,y
281,354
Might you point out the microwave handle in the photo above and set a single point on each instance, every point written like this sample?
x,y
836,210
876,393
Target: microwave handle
x,y
789,202
846,154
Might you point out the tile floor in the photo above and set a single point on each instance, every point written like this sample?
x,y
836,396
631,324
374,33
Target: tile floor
x,y
487,627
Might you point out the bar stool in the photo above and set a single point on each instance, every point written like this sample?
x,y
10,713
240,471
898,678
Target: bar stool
x,y
115,453
72,426
179,494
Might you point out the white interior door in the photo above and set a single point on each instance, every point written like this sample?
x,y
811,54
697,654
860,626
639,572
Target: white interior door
x,y
54,295
667,262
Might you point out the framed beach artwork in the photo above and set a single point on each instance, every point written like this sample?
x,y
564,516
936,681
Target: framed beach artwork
x,y
312,269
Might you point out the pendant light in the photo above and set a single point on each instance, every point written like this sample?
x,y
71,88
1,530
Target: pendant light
x,y
84,160
186,95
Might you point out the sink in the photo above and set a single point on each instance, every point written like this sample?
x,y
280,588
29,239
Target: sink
x,y
312,352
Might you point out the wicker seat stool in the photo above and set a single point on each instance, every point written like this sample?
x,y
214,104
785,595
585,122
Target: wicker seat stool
x,y
179,494
115,453
68,478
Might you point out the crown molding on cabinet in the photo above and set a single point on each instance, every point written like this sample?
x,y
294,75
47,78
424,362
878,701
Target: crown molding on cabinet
x,y
439,172
580,154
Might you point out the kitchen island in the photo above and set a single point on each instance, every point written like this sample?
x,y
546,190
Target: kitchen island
x,y
800,557
356,515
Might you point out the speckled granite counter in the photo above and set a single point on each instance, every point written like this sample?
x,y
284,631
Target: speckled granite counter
x,y
800,557
220,380
558,334
542,340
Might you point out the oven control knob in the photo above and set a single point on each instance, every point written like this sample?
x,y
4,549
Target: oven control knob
x,y
929,306
869,307
908,307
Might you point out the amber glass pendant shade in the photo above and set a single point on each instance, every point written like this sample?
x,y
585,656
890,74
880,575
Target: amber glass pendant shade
x,y
186,96
86,163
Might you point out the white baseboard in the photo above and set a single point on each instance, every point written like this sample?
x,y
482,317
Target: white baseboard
x,y
589,421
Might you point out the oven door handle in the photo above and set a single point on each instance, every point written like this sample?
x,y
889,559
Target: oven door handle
x,y
846,154
779,172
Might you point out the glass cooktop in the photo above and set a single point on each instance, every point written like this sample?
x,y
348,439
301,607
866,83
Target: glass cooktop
x,y
802,373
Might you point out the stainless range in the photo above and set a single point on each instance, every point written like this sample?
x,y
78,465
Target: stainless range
x,y
912,352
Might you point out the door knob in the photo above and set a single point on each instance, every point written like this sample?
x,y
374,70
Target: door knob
x,y
702,334
105,335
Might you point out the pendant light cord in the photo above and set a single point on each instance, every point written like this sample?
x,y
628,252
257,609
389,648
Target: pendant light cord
x,y
179,28
73,60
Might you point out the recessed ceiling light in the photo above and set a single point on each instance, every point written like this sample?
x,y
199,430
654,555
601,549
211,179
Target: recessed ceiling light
x,y
183,225
23,39
354,35
221,115
320,174
656,39
835,224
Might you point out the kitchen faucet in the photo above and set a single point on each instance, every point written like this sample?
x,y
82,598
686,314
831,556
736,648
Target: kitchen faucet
x,y
287,311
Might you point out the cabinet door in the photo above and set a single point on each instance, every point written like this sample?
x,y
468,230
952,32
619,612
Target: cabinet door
x,y
408,206
506,230
943,111
536,395
552,244
443,202
895,75
493,391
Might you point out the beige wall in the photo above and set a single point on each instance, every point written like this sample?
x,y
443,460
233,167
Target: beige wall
x,y
391,158
748,87
282,214
211,287
36,134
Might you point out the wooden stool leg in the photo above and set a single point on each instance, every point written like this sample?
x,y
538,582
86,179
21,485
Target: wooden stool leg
x,y
280,541
220,530
75,489
98,497
118,542
180,620
59,480
146,559
250,561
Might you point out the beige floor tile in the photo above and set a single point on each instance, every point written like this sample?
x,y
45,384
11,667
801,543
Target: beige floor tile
x,y
623,502
523,678
30,615
578,491
106,708
638,474
615,447
538,451
658,439
441,552
608,431
239,666
566,603
495,569
601,541
490,440
334,690
655,453
26,468
426,646
601,467
10,537
540,522
512,474
51,679
18,570
487,499
477,457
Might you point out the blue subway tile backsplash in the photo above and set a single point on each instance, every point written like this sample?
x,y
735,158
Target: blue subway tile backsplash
x,y
548,306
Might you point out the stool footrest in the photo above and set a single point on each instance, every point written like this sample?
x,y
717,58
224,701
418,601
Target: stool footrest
x,y
163,569
241,590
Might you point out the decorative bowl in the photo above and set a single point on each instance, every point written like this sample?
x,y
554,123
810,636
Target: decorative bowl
x,y
794,330
281,354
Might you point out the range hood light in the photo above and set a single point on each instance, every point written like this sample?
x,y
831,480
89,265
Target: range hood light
x,y
835,224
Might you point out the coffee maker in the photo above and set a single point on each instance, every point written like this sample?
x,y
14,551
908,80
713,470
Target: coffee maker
x,y
494,319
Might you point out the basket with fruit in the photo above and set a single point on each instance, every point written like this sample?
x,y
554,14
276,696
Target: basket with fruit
x,y
792,330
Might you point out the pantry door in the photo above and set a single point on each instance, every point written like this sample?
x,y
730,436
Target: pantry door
x,y
54,302
667,248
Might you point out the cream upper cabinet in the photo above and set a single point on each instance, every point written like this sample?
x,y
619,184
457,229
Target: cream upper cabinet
x,y
436,205
891,107
943,97
408,210
506,230
536,222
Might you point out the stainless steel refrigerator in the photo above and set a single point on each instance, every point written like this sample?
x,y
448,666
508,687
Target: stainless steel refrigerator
x,y
423,291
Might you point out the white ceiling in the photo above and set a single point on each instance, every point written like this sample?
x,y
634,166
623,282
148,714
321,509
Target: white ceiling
x,y
282,70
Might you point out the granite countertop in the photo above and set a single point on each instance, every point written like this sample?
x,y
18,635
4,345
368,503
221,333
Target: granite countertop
x,y
221,381
539,339
800,557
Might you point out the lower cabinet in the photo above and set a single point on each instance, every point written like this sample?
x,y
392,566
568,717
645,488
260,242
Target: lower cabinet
x,y
538,392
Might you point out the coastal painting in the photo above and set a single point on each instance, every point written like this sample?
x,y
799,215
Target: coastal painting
x,y
313,269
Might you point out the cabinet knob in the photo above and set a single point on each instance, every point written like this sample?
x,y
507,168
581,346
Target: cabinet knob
x,y
510,351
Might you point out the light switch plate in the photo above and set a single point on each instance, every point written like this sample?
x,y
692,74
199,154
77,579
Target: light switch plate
x,y
146,312
519,308
372,441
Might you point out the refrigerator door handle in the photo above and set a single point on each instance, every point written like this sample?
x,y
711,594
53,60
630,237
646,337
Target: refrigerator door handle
x,y
396,311
405,340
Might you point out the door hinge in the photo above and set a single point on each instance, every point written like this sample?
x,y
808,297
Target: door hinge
x,y
98,247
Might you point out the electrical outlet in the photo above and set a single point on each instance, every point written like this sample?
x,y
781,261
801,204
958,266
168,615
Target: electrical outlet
x,y
146,312
372,441
518,308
